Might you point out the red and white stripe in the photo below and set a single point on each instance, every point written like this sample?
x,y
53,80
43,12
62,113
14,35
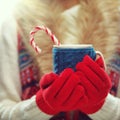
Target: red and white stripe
x,y
48,31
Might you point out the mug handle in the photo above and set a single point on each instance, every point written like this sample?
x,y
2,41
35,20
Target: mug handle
x,y
98,53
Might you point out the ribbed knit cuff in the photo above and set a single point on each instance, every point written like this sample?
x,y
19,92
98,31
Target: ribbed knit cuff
x,y
42,105
93,109
109,111
30,111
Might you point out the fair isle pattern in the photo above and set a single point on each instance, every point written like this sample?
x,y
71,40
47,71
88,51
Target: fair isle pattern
x,y
28,72
114,72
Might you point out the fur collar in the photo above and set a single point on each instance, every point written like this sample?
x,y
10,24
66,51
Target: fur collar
x,y
89,22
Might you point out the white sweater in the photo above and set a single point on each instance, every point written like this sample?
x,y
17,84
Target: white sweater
x,y
11,106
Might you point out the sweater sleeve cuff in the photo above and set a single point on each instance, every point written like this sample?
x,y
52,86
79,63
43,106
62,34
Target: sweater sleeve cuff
x,y
109,111
35,111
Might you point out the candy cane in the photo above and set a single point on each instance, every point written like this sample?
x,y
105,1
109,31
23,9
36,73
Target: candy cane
x,y
36,29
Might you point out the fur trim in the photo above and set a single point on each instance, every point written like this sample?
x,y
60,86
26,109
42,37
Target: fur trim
x,y
90,21
95,22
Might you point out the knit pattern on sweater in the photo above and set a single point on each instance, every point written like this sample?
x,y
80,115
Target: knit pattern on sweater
x,y
114,72
28,72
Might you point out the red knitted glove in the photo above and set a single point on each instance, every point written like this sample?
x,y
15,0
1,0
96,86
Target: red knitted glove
x,y
59,93
48,79
96,83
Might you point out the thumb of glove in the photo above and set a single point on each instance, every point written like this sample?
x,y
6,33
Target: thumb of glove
x,y
47,80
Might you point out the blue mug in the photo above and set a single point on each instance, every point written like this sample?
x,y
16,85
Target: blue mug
x,y
67,56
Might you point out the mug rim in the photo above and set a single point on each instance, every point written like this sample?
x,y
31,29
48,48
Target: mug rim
x,y
73,46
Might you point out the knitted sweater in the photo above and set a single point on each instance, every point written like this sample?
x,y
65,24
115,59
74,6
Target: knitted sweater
x,y
12,107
